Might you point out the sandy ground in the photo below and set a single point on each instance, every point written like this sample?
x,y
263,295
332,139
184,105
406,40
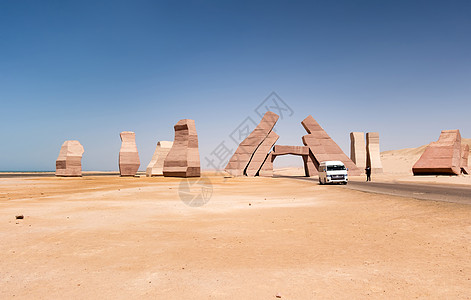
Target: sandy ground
x,y
126,238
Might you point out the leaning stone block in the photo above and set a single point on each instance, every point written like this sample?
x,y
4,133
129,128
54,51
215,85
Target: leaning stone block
x,y
323,148
442,157
261,154
243,154
156,165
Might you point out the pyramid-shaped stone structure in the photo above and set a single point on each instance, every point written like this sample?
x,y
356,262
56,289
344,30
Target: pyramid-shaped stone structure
x,y
323,148
244,153
443,157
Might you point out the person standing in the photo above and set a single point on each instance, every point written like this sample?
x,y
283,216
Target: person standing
x,y
368,173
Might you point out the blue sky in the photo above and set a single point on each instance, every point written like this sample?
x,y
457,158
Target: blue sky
x,y
88,70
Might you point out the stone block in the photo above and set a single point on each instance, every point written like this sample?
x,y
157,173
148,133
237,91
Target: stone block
x,y
373,153
156,165
69,162
183,159
128,156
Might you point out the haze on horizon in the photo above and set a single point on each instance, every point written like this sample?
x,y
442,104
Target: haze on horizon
x,y
88,70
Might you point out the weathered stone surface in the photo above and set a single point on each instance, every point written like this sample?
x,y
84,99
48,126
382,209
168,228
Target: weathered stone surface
x,y
464,159
69,162
128,156
373,155
323,148
261,154
183,159
156,165
358,149
309,166
442,157
291,150
243,154
267,168
303,151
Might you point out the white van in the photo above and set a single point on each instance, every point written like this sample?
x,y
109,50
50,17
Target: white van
x,y
332,172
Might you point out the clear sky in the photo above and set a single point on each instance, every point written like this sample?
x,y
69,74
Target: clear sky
x,y
88,70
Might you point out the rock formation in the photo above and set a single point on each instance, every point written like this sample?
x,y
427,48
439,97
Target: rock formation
x,y
358,149
156,165
442,157
183,159
464,159
247,148
69,162
253,156
323,148
303,151
373,155
261,154
128,156
267,168
309,166
279,150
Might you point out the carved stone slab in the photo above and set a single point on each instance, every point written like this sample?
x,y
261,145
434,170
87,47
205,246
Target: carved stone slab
x,y
183,159
261,154
442,157
243,154
69,162
323,148
358,149
156,165
128,156
373,153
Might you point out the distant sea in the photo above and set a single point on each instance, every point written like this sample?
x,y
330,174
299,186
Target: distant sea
x,y
27,171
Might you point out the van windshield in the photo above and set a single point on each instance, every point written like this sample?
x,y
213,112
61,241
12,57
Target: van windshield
x,y
335,168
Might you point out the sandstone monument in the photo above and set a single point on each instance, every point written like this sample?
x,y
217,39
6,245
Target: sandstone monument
x,y
261,154
373,155
253,156
69,162
128,156
442,157
183,159
303,151
267,168
240,160
309,166
464,159
156,165
358,149
323,148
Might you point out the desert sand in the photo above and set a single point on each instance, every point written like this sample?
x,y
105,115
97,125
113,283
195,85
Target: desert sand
x,y
256,238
